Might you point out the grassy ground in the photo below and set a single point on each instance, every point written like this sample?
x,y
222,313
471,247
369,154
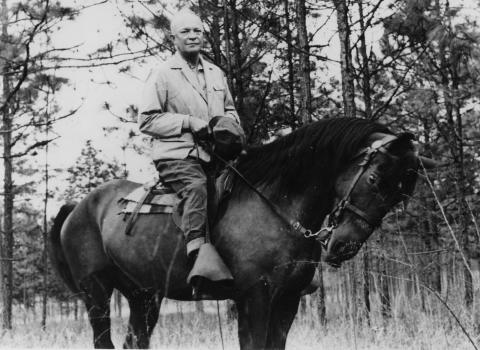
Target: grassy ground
x,y
192,330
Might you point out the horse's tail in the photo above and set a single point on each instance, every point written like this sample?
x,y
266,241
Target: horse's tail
x,y
57,255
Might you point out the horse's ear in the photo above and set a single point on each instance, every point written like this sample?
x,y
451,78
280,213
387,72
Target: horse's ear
x,y
402,143
405,136
428,163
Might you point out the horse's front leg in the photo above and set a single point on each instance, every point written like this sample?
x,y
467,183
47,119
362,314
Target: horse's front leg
x,y
282,314
253,317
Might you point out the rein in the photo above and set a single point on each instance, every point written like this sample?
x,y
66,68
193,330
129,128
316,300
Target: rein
x,y
332,219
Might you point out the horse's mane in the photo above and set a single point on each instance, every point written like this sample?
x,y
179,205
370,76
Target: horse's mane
x,y
321,149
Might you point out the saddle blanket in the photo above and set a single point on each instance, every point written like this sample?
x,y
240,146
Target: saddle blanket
x,y
160,200
163,199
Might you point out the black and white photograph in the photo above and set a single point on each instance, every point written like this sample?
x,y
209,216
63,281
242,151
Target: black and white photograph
x,y
240,174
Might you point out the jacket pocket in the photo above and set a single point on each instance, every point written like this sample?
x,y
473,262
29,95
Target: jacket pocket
x,y
218,88
218,101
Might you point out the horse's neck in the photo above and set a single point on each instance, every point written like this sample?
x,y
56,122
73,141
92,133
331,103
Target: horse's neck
x,y
309,207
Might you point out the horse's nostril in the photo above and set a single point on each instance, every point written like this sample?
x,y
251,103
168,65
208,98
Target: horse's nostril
x,y
345,250
337,246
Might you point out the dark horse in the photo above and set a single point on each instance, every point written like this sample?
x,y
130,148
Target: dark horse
x,y
352,169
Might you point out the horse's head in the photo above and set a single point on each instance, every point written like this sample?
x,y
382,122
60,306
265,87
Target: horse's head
x,y
380,176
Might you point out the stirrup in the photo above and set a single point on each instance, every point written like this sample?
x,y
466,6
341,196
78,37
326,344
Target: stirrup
x,y
210,265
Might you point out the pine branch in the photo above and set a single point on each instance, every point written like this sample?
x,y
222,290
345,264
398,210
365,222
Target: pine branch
x,y
31,147
26,61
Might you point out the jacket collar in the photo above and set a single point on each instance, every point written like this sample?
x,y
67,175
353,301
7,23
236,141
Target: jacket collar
x,y
178,62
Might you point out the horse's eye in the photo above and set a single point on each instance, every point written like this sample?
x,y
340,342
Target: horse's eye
x,y
372,179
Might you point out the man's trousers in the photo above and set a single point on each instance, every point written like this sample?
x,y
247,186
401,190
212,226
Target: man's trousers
x,y
189,181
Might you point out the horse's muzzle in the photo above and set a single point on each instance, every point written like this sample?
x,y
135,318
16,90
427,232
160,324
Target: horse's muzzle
x,y
341,251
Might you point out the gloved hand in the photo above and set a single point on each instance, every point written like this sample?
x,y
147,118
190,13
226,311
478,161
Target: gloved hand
x,y
197,126
228,137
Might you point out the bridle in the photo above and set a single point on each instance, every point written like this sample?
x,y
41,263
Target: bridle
x,y
333,218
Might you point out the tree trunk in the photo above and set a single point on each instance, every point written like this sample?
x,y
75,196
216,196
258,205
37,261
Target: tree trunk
x,y
454,134
322,315
7,251
237,54
45,227
366,283
304,64
67,308
24,297
353,300
75,309
211,7
432,233
291,73
365,69
353,288
383,280
346,294
384,291
226,23
2,287
461,192
444,280
461,183
348,88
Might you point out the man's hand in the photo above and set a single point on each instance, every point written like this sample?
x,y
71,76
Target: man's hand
x,y
197,126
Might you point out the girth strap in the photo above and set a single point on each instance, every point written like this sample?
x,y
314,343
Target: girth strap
x,y
136,210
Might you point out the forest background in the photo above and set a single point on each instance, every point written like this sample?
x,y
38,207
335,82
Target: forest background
x,y
72,76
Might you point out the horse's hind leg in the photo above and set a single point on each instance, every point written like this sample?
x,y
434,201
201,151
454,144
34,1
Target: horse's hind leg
x,y
144,311
97,292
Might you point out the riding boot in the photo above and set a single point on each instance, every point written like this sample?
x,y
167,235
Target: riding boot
x,y
197,282
209,277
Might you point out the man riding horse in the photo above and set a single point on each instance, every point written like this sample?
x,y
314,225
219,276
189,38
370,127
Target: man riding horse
x,y
180,99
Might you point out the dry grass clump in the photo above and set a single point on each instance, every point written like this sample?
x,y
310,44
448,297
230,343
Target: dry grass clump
x,y
181,327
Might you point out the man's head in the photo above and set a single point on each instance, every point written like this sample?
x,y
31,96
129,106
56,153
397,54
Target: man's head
x,y
187,32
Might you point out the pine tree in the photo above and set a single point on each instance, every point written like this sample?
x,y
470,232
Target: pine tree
x,y
90,171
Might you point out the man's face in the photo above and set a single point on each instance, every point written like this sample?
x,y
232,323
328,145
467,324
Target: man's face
x,y
187,34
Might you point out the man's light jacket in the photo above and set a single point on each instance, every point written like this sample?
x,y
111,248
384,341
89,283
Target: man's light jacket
x,y
172,93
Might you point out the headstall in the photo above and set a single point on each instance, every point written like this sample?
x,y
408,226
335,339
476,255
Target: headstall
x,y
333,218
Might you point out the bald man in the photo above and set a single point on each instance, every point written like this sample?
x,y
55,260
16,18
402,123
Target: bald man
x,y
179,100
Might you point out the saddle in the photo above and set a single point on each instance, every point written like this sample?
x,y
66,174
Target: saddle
x,y
159,198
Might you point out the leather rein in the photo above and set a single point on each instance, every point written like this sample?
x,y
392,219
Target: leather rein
x,y
332,219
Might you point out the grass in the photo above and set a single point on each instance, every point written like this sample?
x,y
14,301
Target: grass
x,y
180,327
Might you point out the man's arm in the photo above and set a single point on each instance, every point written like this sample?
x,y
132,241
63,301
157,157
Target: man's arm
x,y
155,120
230,110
